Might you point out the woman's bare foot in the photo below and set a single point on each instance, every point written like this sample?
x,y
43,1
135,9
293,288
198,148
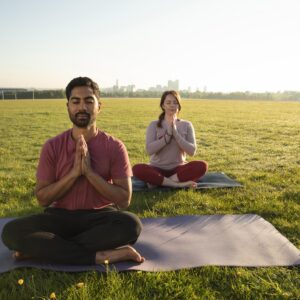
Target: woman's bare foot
x,y
151,186
169,182
17,255
189,184
174,177
120,254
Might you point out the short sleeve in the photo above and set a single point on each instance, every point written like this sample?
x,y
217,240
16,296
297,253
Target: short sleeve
x,y
46,166
120,167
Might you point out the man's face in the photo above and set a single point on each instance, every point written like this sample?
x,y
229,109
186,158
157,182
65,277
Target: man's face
x,y
83,106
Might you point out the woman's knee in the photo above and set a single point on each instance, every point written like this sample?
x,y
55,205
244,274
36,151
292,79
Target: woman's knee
x,y
203,165
199,166
139,169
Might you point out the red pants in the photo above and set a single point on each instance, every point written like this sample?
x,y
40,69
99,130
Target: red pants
x,y
153,175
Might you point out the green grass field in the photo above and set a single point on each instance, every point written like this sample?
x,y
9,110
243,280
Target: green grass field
x,y
255,142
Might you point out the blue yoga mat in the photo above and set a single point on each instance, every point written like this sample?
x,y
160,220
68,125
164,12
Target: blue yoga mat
x,y
208,181
182,242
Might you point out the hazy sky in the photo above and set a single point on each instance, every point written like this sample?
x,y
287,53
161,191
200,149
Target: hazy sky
x,y
225,45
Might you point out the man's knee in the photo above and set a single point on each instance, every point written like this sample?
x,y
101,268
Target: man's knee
x,y
15,231
10,235
132,225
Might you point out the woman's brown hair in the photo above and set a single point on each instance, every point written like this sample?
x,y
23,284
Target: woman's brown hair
x,y
162,100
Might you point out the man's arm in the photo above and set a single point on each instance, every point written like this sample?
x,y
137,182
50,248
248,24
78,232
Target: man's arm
x,y
119,192
48,191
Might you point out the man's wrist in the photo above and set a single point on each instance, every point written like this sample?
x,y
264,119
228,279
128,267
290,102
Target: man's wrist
x,y
90,174
74,174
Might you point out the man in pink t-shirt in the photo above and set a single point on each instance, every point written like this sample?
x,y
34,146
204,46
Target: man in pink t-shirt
x,y
83,178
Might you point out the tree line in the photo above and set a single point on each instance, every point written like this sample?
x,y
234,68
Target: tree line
x,y
60,94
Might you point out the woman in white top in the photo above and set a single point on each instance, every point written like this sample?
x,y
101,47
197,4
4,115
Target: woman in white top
x,y
168,140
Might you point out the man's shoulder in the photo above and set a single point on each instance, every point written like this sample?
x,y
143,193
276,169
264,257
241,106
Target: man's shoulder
x,y
64,136
110,141
104,136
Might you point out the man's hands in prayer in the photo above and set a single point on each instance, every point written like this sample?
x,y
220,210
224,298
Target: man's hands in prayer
x,y
119,192
85,157
82,162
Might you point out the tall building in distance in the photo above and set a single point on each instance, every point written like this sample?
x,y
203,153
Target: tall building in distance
x,y
116,88
173,85
119,89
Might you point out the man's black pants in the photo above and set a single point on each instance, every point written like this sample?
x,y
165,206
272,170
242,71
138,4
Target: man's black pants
x,y
71,237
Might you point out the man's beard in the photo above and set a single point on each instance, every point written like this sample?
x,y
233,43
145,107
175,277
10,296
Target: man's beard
x,y
81,119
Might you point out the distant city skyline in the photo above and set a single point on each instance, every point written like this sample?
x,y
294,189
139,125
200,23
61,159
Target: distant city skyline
x,y
225,46
171,85
118,86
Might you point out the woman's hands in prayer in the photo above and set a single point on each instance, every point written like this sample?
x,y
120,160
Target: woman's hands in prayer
x,y
171,124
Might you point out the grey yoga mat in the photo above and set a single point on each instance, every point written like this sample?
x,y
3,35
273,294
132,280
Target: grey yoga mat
x,y
175,243
209,180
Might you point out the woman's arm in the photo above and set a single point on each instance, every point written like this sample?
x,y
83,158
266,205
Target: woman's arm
x,y
153,144
188,145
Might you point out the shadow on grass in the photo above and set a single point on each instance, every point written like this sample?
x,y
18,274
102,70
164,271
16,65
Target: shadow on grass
x,y
25,211
178,201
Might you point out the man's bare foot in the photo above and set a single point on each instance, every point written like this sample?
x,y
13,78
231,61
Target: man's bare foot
x,y
120,254
17,255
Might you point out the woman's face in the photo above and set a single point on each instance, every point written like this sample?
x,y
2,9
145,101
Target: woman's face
x,y
171,105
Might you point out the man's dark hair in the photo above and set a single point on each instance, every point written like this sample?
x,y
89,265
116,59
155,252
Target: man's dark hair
x,y
82,81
